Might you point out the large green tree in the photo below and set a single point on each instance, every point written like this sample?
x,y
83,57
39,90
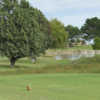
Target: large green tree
x,y
59,34
91,28
24,30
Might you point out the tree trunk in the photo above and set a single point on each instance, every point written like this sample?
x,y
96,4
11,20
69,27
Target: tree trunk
x,y
12,62
34,59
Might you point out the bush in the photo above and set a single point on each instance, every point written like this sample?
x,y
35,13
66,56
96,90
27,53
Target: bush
x,y
96,45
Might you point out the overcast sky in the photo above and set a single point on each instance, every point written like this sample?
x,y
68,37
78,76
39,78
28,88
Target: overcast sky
x,y
72,12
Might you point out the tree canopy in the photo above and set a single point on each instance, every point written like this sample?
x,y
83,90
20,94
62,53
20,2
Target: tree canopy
x,y
73,31
91,28
24,30
59,34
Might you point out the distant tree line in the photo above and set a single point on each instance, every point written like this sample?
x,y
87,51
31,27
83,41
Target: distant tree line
x,y
89,31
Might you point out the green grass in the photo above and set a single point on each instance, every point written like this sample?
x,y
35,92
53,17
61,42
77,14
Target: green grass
x,y
50,87
83,47
50,65
50,79
25,65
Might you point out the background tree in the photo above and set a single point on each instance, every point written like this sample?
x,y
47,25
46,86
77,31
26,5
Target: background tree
x,y
59,34
73,31
24,30
96,45
91,28
73,34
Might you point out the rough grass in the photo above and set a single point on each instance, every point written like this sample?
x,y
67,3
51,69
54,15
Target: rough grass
x,y
50,65
50,87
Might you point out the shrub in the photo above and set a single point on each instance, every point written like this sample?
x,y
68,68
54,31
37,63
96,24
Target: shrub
x,y
96,45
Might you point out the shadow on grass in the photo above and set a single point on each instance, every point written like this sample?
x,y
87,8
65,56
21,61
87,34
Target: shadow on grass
x,y
5,66
16,66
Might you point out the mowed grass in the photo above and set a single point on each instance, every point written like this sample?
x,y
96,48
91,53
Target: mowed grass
x,y
50,79
50,87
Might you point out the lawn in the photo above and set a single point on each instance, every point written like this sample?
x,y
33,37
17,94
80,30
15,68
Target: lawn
x,y
50,87
50,79
83,47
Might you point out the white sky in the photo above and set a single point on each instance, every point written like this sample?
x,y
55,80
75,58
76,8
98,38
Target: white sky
x,y
73,12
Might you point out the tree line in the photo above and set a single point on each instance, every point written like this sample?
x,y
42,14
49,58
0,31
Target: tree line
x,y
89,31
26,32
